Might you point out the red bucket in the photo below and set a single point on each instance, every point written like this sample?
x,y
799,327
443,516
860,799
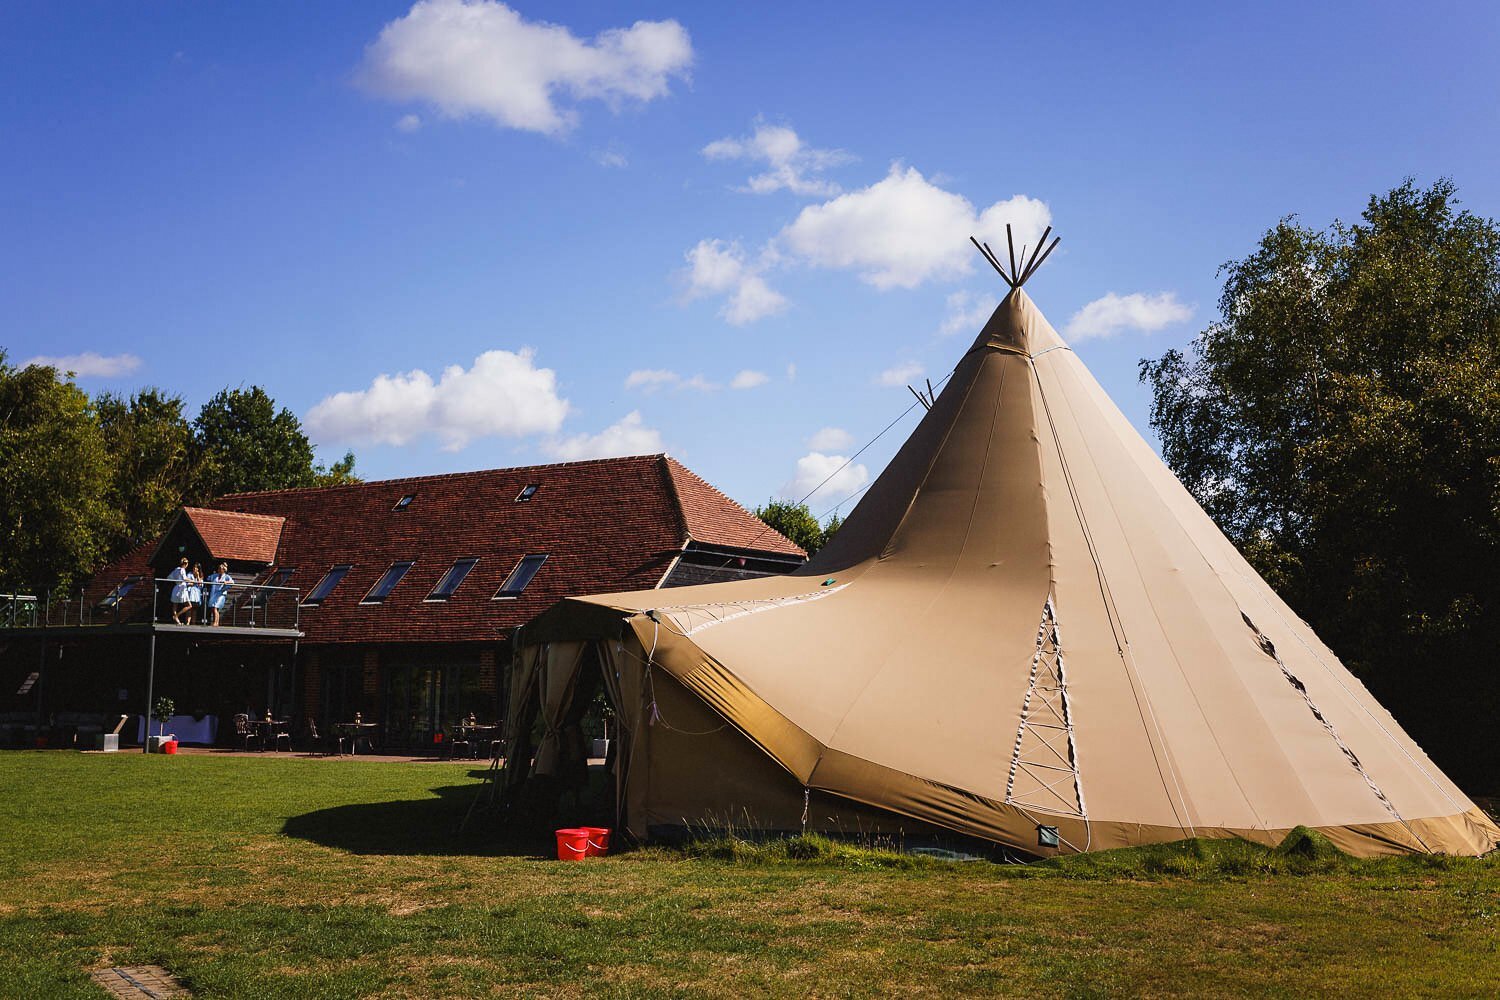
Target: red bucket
x,y
170,746
598,840
572,845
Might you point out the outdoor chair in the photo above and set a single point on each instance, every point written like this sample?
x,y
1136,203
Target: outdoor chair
x,y
279,733
310,734
458,736
247,732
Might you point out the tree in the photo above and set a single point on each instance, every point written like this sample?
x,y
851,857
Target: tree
x,y
151,443
340,473
835,522
1341,423
796,522
245,444
55,476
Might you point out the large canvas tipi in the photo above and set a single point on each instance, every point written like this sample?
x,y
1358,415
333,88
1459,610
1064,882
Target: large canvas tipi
x,y
1027,630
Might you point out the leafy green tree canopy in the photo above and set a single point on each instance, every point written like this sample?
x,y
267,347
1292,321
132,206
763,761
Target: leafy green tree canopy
x,y
339,473
1341,422
151,443
244,443
796,522
55,478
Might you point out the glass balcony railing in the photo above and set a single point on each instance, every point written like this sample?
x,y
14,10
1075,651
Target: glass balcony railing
x,y
142,600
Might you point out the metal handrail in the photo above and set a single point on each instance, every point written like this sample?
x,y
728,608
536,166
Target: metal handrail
x,y
16,606
142,599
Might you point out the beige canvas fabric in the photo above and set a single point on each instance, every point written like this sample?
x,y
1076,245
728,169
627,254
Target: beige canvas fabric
x,y
1026,622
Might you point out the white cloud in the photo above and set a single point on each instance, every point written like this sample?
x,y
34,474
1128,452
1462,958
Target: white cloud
x,y
904,230
793,165
791,372
967,312
825,477
502,395
1113,313
480,57
901,374
89,364
652,379
830,439
627,436
719,268
611,158
748,379
408,123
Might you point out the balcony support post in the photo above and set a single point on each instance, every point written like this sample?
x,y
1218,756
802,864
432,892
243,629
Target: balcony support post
x,y
150,687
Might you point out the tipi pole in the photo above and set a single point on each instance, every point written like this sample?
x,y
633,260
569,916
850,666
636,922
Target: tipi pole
x,y
1030,265
1043,260
989,255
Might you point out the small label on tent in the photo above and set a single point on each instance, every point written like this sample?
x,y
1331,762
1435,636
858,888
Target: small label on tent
x,y
829,582
30,680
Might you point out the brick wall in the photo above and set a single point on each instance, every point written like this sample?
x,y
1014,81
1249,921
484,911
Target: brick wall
x,y
312,684
372,675
487,681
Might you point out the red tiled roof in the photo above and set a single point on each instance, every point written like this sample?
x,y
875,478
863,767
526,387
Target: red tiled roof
x,y
712,517
136,562
605,525
235,536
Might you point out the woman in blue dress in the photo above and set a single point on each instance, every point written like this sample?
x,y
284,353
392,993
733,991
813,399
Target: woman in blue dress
x,y
218,590
195,590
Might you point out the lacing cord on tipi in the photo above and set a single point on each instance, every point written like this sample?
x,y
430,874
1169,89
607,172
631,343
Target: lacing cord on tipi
x,y
1049,632
1352,697
1122,643
717,613
1269,648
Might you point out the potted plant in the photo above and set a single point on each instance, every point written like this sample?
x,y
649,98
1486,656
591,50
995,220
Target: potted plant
x,y
162,712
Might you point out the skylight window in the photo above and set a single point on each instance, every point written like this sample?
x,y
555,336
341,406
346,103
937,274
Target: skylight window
x,y
520,577
404,502
387,583
527,493
278,578
451,579
325,586
117,595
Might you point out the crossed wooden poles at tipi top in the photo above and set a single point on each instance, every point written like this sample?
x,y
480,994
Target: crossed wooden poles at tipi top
x,y
1013,277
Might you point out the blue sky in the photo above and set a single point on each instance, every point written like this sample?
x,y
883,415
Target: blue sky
x,y
463,236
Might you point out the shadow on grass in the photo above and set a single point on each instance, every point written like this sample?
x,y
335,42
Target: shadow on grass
x,y
421,826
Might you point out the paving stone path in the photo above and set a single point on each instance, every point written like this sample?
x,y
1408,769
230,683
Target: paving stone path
x,y
139,981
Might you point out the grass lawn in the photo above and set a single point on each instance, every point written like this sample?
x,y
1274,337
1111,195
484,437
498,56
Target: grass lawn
x,y
309,879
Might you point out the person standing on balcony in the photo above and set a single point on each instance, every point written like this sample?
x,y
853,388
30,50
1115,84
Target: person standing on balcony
x,y
218,590
195,590
182,603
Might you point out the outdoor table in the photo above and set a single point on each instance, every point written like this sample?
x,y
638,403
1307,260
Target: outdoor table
x,y
472,735
268,728
356,731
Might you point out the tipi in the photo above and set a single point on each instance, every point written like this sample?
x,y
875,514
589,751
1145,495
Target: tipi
x,y
1027,631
